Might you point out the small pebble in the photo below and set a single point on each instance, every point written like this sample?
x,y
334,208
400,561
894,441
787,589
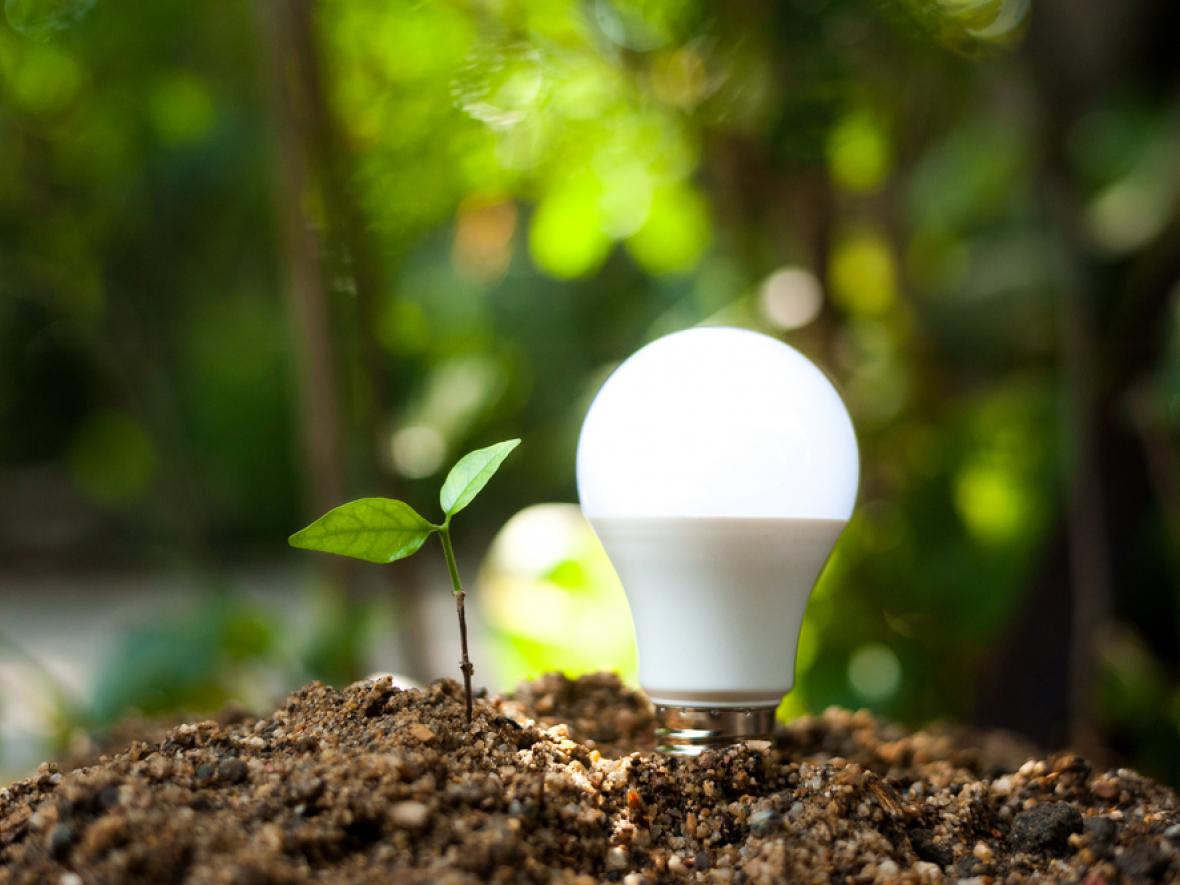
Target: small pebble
x,y
421,732
1102,831
61,837
765,823
410,815
233,771
616,860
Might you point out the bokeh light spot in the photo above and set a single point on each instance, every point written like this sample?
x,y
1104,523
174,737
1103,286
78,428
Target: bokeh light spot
x,y
991,502
858,153
790,298
552,599
566,236
676,233
182,110
483,238
112,458
874,672
863,274
417,451
41,79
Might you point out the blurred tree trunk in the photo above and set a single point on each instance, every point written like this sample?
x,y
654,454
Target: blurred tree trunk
x,y
1111,326
315,161
315,364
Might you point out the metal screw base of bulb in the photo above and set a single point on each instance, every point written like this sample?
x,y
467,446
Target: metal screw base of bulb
x,y
690,731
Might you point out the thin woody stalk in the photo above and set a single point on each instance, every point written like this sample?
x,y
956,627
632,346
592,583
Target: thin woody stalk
x,y
465,665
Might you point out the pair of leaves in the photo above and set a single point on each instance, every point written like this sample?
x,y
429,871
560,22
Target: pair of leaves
x,y
384,530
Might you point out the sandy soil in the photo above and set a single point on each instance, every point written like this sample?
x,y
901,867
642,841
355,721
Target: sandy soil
x,y
374,784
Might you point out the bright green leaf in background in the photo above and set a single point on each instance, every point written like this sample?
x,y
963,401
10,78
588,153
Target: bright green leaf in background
x,y
472,472
376,530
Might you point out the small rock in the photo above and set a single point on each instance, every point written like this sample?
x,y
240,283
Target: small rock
x,y
968,867
1102,831
410,815
61,837
1105,788
69,879
922,841
1172,832
103,835
108,797
1142,862
765,822
927,871
233,771
421,732
616,860
1045,827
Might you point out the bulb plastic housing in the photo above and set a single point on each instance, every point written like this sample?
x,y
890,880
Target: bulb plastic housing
x,y
718,467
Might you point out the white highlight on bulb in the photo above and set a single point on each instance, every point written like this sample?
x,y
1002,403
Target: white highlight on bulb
x,y
718,467
717,422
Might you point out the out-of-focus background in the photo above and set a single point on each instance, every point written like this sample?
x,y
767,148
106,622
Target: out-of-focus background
x,y
260,258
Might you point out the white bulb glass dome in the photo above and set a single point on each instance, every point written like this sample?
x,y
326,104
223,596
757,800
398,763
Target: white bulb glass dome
x,y
718,468
717,422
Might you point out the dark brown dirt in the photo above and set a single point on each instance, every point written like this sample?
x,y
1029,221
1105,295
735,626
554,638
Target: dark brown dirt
x,y
373,784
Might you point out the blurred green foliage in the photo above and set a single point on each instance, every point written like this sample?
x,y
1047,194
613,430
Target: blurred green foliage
x,y
190,661
965,210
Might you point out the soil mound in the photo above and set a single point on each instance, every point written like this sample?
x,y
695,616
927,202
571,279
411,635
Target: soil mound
x,y
375,784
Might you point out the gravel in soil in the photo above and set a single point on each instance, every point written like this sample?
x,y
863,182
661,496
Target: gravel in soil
x,y
376,784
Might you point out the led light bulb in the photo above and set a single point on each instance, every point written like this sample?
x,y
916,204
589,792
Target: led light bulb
x,y
718,467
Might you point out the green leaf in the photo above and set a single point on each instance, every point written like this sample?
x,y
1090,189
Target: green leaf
x,y
468,477
373,529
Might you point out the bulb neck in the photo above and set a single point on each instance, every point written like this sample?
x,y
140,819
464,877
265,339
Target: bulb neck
x,y
690,731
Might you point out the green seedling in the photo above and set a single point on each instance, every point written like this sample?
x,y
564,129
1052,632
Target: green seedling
x,y
383,530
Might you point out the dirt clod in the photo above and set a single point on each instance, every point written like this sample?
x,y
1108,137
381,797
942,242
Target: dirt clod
x,y
559,784
1046,826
